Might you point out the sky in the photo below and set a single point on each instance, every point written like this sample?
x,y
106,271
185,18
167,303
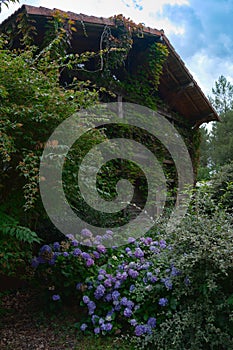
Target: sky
x,y
200,31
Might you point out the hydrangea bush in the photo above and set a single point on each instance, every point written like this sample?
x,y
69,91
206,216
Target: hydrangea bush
x,y
128,287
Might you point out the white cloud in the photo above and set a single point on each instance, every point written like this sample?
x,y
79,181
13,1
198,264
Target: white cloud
x,y
150,13
206,69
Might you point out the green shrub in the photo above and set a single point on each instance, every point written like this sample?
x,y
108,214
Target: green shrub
x,y
221,187
16,246
202,250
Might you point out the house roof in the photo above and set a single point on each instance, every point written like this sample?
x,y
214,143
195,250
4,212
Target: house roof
x,y
177,86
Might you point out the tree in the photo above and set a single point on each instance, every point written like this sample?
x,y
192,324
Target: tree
x,y
223,96
6,2
204,164
222,140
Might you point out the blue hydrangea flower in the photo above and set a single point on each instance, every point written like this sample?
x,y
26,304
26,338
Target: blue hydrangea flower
x,y
139,330
56,297
115,295
97,330
128,312
85,255
133,273
86,233
86,299
151,322
45,249
124,301
167,282
99,292
108,327
90,262
56,246
133,322
77,252
132,287
162,243
101,249
83,327
163,301
79,286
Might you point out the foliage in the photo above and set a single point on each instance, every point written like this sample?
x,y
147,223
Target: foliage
x,y
202,247
32,104
222,141
221,188
6,2
223,95
16,245
183,280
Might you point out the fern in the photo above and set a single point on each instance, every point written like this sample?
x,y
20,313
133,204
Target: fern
x,y
10,226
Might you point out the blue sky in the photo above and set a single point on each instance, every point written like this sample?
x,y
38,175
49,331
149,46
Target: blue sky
x,y
200,31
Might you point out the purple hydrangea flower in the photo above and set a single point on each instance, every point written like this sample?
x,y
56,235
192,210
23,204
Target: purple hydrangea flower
x,y
124,301
162,243
94,318
138,253
85,255
90,262
101,248
133,322
108,297
151,322
77,252
109,232
139,330
108,327
97,330
115,295
99,292
133,273
167,282
74,243
45,249
128,312
86,299
96,254
56,246
117,284
65,254
175,271
132,287
108,282
91,307
130,304
83,327
79,286
56,297
187,281
131,240
153,279
118,307
86,233
163,301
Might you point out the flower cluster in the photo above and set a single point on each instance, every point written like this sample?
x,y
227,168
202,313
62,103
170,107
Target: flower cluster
x,y
127,287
